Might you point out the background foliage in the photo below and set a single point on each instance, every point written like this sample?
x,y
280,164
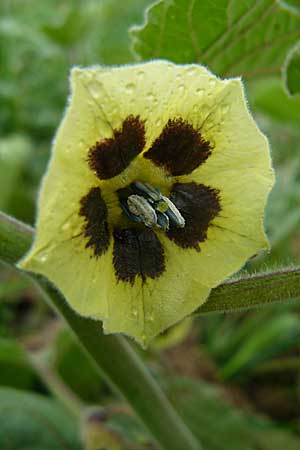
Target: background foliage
x,y
235,379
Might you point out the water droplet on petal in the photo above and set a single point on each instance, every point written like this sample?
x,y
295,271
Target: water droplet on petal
x,y
199,91
191,71
66,226
95,89
225,109
150,96
144,339
130,88
134,313
42,258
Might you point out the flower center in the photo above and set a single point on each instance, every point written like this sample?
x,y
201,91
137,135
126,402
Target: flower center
x,y
144,203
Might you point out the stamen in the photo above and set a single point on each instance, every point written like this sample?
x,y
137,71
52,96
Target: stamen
x,y
173,213
163,221
146,188
140,207
147,205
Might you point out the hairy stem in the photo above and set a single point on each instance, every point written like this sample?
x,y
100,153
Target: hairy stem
x,y
254,291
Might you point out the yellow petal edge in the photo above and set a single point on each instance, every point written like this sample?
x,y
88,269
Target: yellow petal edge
x,y
239,167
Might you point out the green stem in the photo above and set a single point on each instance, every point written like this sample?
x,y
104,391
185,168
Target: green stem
x,y
254,291
15,238
116,359
112,354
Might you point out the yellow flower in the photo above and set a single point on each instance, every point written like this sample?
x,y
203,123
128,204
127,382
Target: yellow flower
x,y
154,194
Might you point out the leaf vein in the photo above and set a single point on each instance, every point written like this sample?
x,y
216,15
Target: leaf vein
x,y
222,37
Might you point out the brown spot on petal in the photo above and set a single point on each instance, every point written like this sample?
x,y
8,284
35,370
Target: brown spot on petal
x,y
94,211
111,156
179,149
137,252
199,205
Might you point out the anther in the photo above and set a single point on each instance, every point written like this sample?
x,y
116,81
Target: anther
x,y
141,208
147,205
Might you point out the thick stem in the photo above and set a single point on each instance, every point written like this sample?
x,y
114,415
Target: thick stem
x,y
116,359
15,238
253,292
112,354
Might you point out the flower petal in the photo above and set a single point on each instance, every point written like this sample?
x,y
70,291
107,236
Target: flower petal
x,y
240,167
94,210
199,205
240,170
137,253
179,149
148,306
111,156
154,91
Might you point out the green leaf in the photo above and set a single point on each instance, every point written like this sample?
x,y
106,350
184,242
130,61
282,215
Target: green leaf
x,y
76,369
276,439
15,369
268,96
114,47
230,37
14,152
97,434
31,422
267,341
293,5
213,420
222,426
292,71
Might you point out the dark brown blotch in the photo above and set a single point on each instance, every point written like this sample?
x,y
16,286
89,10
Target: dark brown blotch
x,y
179,149
95,229
137,253
199,205
111,156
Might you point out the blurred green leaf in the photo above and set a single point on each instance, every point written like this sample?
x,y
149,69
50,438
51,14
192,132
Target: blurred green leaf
x,y
284,203
269,96
213,420
97,434
270,339
294,5
292,71
232,332
76,369
248,38
111,39
276,439
31,422
14,152
15,369
41,41
221,426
